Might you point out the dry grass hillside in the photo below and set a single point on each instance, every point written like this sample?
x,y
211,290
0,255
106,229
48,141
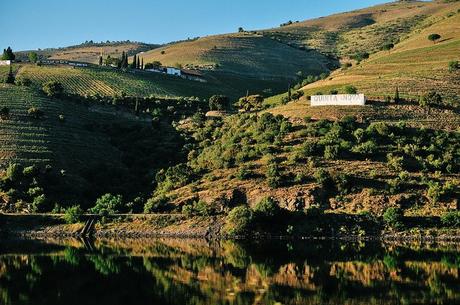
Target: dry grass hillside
x,y
90,52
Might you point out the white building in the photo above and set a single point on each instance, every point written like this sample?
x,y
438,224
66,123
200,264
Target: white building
x,y
338,100
173,71
5,62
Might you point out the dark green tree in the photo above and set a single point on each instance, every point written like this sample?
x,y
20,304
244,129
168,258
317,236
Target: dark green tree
x,y
8,54
10,77
138,64
218,102
434,37
133,64
100,60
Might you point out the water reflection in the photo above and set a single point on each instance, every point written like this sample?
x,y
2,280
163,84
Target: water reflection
x,y
172,271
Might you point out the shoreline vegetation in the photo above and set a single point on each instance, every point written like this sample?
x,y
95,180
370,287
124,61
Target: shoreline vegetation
x,y
141,226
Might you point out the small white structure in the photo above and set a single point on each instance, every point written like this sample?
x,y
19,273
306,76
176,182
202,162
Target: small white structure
x,y
173,71
5,62
338,100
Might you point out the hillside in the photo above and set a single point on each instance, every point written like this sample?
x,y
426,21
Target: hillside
x,y
81,151
90,52
108,81
415,66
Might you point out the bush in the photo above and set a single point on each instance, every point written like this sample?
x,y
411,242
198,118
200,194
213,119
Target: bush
x,y
73,214
451,219
218,102
331,152
13,172
350,90
30,171
156,204
393,217
197,208
454,66
323,178
239,220
273,175
266,209
108,204
431,98
436,191
53,89
366,148
39,203
4,113
395,163
35,112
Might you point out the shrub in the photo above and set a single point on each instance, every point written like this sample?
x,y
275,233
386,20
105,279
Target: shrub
x,y
454,66
451,219
266,209
156,204
108,204
35,191
436,191
350,90
323,178
239,220
250,103
30,171
13,172
243,173
343,183
394,162
434,37
366,148
197,208
73,214
39,203
218,102
35,112
273,174
431,98
393,217
331,152
53,89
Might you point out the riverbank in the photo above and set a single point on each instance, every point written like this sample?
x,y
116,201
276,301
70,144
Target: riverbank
x,y
182,226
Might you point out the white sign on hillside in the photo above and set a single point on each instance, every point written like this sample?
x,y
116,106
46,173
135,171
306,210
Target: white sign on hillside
x,y
338,100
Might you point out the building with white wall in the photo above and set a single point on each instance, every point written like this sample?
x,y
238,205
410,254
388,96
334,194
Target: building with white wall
x,y
338,100
173,71
5,62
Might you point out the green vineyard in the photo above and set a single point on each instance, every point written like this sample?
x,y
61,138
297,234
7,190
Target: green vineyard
x,y
106,81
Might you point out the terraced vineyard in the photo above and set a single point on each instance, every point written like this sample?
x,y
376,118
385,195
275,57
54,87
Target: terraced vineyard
x,y
106,81
65,142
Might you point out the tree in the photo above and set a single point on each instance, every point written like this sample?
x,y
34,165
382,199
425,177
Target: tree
x,y
240,30
133,64
35,113
454,66
8,54
142,63
33,57
434,37
239,220
108,204
73,214
9,79
350,90
251,103
4,113
138,64
53,89
388,47
100,60
394,217
218,102
397,98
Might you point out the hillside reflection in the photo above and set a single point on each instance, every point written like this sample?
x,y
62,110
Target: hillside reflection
x,y
174,271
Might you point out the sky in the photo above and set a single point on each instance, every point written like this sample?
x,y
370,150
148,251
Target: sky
x,y
32,24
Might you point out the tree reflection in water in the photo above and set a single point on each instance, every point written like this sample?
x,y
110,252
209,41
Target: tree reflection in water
x,y
174,271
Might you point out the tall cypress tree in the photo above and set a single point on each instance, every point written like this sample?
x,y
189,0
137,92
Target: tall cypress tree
x,y
100,60
133,65
138,65
142,64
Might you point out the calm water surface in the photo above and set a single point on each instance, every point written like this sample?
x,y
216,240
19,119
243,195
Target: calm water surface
x,y
172,271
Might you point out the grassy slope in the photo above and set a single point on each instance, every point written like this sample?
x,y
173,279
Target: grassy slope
x,y
109,82
416,65
242,61
91,53
367,29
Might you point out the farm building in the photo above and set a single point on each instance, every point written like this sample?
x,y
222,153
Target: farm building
x,y
193,75
5,62
338,100
173,71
